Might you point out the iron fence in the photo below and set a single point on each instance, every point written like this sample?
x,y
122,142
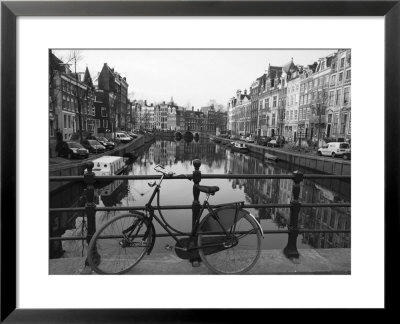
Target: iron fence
x,y
291,251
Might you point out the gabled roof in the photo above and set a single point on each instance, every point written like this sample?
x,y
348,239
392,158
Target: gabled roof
x,y
87,78
290,67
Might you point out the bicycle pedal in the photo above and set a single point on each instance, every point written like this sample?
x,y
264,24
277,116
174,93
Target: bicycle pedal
x,y
195,264
168,247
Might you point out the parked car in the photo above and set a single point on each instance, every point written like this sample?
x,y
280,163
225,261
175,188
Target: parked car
x,y
263,140
121,137
132,134
273,143
93,146
276,141
234,137
250,139
109,145
334,149
72,150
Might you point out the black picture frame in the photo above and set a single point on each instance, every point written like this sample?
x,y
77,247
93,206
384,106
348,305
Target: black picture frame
x,y
11,10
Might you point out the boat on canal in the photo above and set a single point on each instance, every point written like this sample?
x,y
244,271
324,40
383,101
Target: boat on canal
x,y
239,147
108,166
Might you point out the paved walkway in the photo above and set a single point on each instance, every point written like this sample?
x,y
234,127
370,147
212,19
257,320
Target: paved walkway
x,y
321,261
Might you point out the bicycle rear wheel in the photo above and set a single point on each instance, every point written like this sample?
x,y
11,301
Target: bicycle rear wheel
x,y
233,253
119,244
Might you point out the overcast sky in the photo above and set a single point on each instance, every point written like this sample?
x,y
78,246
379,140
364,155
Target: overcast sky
x,y
189,76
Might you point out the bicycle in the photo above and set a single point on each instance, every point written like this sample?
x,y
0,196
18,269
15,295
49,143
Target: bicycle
x,y
227,239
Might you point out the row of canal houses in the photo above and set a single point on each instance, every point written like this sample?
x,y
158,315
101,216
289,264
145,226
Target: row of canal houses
x,y
80,106
167,116
311,102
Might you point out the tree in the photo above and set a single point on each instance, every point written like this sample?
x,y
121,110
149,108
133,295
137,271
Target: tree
x,y
75,56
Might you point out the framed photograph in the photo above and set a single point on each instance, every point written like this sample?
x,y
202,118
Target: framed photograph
x,y
262,75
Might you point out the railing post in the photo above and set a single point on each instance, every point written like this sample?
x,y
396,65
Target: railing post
x,y
291,248
195,259
90,205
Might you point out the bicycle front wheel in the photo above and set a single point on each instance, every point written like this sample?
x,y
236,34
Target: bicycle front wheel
x,y
119,244
235,252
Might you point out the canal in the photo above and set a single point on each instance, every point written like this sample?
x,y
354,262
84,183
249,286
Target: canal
x,y
177,156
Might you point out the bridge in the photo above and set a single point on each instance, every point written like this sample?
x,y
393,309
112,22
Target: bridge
x,y
290,251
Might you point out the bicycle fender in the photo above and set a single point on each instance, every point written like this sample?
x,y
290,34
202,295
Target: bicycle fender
x,y
258,224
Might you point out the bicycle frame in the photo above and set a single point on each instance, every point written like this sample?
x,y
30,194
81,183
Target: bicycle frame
x,y
150,209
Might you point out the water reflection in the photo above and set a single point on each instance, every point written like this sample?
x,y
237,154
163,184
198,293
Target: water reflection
x,y
177,156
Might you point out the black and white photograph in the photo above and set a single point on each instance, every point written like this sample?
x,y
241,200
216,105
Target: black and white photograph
x,y
199,161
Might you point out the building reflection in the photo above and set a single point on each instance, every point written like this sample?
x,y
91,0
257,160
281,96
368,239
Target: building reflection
x,y
265,191
215,158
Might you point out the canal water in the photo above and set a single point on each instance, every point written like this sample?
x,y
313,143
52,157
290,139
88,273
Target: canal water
x,y
177,156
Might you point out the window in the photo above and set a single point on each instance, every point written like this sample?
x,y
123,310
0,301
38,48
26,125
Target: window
x,y
316,83
295,115
343,124
93,111
301,100
333,79
348,74
103,112
69,121
323,65
291,115
261,104
273,120
105,123
310,85
267,104
327,80
331,97
342,62
340,76
98,123
65,121
346,95
274,103
338,97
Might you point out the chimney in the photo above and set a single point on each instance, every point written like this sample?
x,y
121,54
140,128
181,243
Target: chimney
x,y
145,102
192,108
245,91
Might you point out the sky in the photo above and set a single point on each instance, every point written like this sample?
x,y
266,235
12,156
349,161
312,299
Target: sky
x,y
190,77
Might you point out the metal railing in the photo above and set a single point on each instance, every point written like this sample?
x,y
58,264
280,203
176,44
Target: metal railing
x,y
295,205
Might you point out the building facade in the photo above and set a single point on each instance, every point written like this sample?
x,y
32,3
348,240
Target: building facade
x,y
338,114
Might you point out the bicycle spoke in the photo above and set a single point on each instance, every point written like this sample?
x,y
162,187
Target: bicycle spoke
x,y
243,252
118,253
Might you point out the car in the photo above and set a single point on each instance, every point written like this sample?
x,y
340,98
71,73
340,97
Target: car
x,y
109,145
263,140
243,138
250,139
93,146
72,150
234,137
334,149
121,137
132,134
273,143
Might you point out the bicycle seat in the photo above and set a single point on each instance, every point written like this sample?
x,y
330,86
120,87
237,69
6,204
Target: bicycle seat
x,y
208,189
